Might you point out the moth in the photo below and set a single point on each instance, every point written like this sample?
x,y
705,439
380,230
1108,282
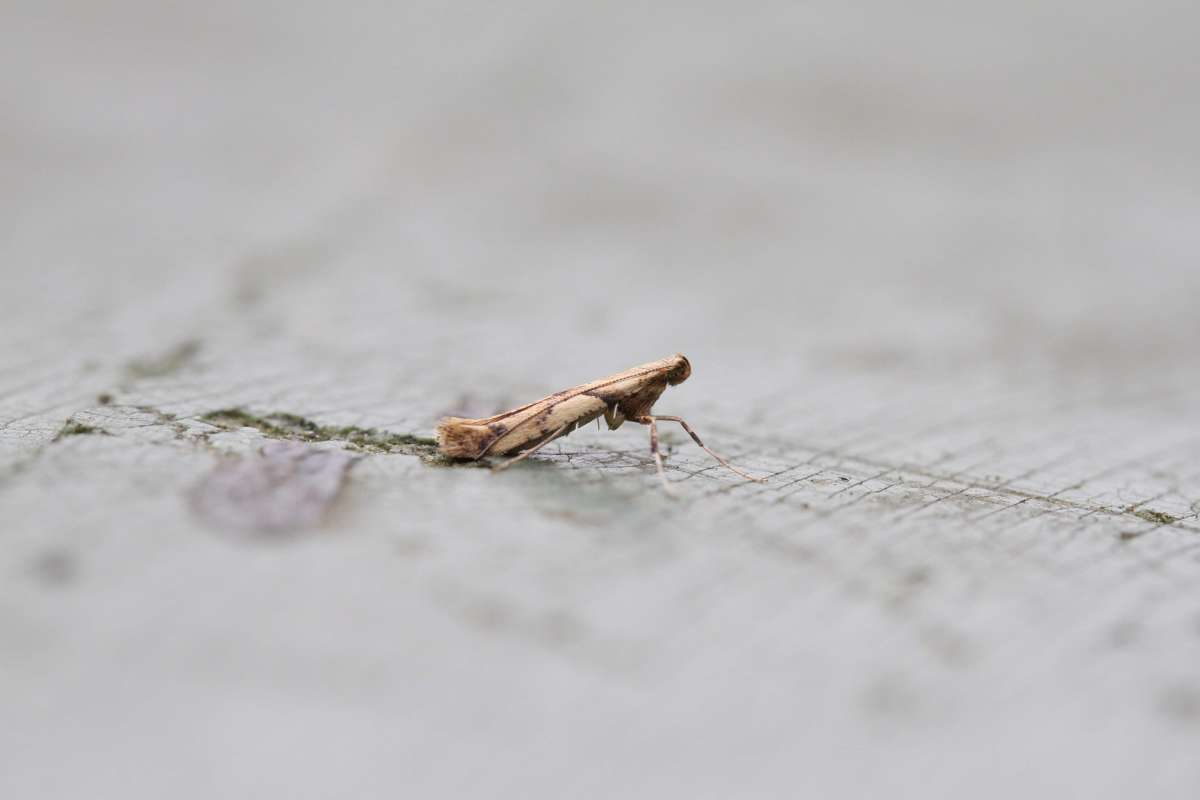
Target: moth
x,y
625,396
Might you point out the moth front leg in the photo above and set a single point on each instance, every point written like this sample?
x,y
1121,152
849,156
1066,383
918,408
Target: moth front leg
x,y
658,462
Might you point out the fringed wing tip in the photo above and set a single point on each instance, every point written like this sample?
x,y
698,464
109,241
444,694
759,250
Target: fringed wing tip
x,y
463,438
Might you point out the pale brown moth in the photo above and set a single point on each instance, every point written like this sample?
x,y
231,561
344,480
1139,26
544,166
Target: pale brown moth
x,y
628,395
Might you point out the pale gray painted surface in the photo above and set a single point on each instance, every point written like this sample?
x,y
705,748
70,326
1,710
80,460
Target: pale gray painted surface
x,y
935,267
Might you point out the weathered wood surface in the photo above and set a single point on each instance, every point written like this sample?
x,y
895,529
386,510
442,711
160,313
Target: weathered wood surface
x,y
935,268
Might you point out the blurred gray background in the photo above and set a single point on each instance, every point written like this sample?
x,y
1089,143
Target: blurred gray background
x,y
934,264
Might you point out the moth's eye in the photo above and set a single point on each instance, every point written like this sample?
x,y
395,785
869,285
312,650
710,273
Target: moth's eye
x,y
680,372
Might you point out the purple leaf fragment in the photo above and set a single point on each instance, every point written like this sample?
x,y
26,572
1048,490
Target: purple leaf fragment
x,y
287,488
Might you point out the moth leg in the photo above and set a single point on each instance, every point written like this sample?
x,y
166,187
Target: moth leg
x,y
506,464
658,462
696,439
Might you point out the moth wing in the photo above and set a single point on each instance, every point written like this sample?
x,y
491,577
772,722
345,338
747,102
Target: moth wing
x,y
524,426
567,413
503,415
459,437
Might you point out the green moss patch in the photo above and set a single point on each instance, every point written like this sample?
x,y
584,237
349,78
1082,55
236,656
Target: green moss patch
x,y
72,428
284,425
1157,517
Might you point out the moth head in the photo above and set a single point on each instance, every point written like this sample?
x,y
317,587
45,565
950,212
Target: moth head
x,y
679,369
